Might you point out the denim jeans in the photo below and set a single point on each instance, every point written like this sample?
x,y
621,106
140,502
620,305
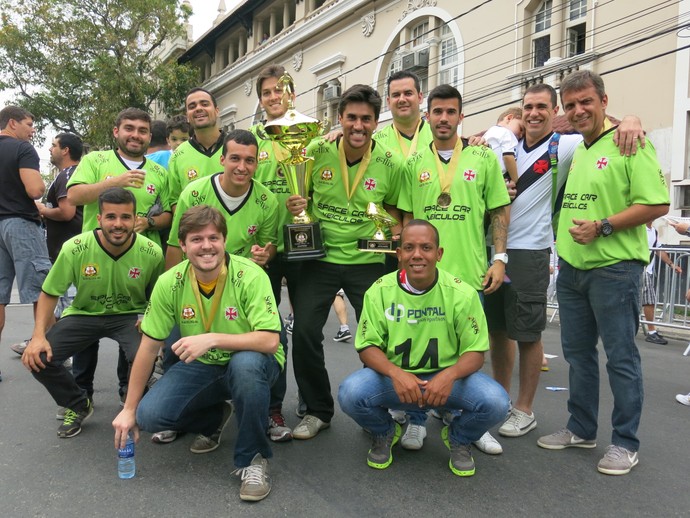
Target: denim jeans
x,y
602,302
366,396
190,397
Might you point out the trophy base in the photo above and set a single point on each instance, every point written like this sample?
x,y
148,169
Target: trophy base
x,y
303,242
386,246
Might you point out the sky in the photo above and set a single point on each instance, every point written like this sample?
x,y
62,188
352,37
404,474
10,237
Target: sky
x,y
205,11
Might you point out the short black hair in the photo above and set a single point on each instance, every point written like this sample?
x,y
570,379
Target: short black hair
x,y
242,137
116,196
199,89
422,223
444,92
178,122
361,94
404,74
132,114
158,133
73,143
543,87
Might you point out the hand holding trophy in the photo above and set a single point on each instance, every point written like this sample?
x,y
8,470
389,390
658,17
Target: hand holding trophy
x,y
378,242
293,132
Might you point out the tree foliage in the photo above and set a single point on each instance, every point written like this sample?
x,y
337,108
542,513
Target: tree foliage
x,y
76,63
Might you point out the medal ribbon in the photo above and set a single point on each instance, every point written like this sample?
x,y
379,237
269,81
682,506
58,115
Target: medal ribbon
x,y
215,299
345,172
446,176
407,151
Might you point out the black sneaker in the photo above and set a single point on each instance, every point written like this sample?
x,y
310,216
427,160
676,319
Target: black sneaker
x,y
71,423
342,336
656,338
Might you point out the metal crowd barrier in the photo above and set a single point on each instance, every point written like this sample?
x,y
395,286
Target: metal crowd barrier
x,y
672,309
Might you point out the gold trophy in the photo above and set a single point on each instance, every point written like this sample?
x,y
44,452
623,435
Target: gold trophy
x,y
378,242
293,132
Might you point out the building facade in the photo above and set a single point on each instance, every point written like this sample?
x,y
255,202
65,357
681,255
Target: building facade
x,y
490,50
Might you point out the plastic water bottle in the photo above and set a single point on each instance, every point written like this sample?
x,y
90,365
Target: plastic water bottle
x,y
126,468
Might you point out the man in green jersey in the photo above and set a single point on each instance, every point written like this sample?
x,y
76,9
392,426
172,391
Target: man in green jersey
x,y
602,244
270,173
126,166
422,338
200,155
249,208
348,174
227,316
452,186
113,269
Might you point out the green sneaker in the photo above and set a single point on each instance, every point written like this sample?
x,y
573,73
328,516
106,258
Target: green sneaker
x,y
380,455
461,462
71,423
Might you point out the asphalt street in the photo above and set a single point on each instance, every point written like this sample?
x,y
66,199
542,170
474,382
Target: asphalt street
x,y
41,475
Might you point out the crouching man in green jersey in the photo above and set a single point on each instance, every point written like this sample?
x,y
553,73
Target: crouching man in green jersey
x,y
224,307
422,338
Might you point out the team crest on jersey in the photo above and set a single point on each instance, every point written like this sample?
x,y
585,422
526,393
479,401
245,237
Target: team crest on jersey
x,y
280,173
90,270
151,189
326,174
303,151
424,176
263,155
192,174
602,163
370,184
231,313
251,230
469,175
540,166
134,272
188,312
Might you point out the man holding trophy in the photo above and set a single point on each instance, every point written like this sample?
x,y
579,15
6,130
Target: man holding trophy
x,y
354,182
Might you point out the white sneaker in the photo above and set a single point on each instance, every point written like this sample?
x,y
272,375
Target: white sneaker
x,y
518,424
683,399
413,438
488,445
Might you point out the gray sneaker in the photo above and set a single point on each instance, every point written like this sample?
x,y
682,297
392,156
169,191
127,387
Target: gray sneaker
x,y
617,461
256,482
380,455
204,444
565,439
461,462
20,347
309,427
413,438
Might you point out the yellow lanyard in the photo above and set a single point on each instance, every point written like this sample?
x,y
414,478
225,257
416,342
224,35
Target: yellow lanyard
x,y
345,172
445,176
407,151
215,298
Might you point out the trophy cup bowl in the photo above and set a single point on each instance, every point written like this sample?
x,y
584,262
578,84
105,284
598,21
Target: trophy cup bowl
x,y
378,242
293,132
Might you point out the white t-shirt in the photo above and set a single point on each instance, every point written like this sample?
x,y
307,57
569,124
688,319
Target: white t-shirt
x,y
653,242
502,142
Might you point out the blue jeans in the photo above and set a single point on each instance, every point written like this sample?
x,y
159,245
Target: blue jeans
x,y
190,397
366,396
602,302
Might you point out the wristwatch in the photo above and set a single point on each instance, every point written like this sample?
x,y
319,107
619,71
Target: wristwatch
x,y
606,228
501,257
151,222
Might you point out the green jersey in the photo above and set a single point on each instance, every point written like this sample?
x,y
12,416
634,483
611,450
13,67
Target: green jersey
x,y
402,144
252,223
343,220
271,174
424,332
246,305
106,285
101,165
601,183
477,187
189,162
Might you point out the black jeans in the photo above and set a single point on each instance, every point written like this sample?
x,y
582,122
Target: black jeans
x,y
312,303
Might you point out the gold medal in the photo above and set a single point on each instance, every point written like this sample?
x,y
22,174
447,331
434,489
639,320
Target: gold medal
x,y
444,199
